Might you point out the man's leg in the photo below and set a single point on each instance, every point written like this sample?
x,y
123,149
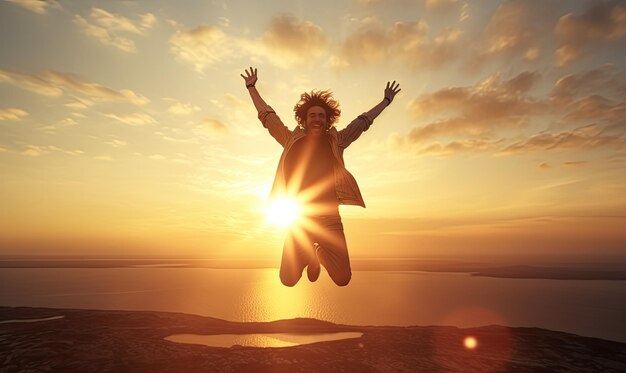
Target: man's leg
x,y
333,249
295,256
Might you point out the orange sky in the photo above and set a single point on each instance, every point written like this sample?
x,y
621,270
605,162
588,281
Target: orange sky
x,y
126,129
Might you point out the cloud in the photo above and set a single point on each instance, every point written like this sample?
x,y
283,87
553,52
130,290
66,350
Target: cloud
x,y
477,110
470,117
596,108
113,22
544,166
36,6
200,47
589,82
12,114
180,108
108,26
53,128
587,137
36,151
147,21
449,6
507,31
116,143
404,42
52,83
467,145
516,30
574,164
298,40
288,40
235,102
605,21
596,96
214,125
223,21
104,36
79,104
135,119
440,4
33,151
103,157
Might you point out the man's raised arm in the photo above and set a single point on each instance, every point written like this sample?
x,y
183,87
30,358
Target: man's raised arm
x,y
266,114
363,122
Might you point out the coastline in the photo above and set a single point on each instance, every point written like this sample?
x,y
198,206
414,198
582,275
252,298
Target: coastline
x,y
609,272
98,341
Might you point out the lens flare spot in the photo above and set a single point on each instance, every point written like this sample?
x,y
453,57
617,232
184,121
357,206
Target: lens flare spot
x,y
283,211
470,343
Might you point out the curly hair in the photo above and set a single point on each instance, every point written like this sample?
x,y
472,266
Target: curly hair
x,y
323,99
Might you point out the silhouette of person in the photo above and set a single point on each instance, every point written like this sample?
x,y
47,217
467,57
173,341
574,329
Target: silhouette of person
x,y
311,168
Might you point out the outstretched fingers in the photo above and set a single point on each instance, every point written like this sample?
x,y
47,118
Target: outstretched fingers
x,y
395,87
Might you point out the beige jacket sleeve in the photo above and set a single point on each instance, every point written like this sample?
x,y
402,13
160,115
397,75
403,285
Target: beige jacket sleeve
x,y
346,136
274,125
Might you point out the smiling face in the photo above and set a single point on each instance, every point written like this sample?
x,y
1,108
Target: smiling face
x,y
316,121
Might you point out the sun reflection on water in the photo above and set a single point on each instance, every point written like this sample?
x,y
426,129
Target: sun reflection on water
x,y
267,299
260,340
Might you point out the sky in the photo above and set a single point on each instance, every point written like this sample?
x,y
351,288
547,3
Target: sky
x,y
127,131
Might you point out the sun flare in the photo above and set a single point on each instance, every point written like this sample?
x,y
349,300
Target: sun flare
x,y
283,211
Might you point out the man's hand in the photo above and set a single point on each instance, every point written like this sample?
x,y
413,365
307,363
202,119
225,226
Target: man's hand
x,y
391,91
250,77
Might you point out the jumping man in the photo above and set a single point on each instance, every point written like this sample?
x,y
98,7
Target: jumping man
x,y
311,169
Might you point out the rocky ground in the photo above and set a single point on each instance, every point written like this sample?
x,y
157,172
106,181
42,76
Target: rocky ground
x,y
132,341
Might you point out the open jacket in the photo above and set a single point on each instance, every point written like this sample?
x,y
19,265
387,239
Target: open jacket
x,y
346,188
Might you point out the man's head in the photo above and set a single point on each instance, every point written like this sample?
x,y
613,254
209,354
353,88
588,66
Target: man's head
x,y
316,111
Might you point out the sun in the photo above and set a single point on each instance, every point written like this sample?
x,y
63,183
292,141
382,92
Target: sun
x,y
283,211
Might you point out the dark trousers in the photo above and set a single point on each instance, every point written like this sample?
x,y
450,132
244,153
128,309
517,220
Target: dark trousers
x,y
332,250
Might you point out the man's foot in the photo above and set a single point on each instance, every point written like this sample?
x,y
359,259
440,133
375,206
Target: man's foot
x,y
313,270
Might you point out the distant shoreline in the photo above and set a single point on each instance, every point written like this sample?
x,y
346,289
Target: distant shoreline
x,y
611,272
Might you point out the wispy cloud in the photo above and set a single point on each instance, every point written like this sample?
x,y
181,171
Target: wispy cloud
x,y
12,114
458,146
587,137
36,6
37,150
116,143
200,46
592,96
601,79
107,28
574,164
604,21
134,119
104,36
449,6
214,125
107,158
79,104
52,83
180,108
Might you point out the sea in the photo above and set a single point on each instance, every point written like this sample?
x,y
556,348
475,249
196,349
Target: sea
x,y
594,308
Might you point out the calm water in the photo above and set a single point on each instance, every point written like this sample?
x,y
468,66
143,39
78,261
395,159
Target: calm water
x,y
260,340
590,308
